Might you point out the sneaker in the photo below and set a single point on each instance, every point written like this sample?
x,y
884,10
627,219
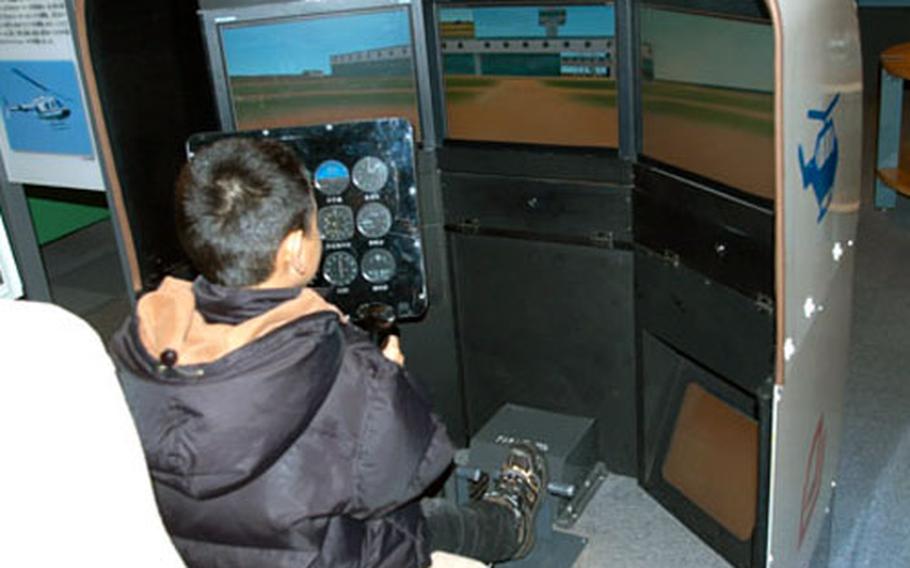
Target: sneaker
x,y
519,487
478,488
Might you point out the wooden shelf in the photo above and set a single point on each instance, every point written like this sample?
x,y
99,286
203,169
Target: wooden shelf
x,y
896,179
896,60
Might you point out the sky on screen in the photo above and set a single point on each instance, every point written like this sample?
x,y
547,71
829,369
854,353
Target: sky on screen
x,y
291,47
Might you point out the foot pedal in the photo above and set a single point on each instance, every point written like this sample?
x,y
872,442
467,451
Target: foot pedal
x,y
570,445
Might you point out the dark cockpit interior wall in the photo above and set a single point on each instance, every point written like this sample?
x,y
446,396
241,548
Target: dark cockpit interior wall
x,y
155,91
595,190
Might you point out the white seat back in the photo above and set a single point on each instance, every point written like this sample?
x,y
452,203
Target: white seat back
x,y
74,486
446,560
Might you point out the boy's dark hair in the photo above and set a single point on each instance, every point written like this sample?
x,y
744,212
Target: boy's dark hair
x,y
237,199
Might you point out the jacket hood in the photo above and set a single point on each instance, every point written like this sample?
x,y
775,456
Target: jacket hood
x,y
228,400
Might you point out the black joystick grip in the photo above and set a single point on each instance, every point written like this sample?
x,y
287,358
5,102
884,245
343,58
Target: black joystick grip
x,y
378,319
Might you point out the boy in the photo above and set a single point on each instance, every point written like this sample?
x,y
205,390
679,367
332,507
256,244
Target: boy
x,y
275,432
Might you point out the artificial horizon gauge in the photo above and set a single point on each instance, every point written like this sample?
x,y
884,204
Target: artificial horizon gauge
x,y
336,222
332,177
370,174
374,220
378,266
340,268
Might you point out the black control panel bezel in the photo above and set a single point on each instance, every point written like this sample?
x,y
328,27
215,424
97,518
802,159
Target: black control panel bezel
x,y
390,140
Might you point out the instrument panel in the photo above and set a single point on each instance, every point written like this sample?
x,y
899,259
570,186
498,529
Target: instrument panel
x,y
364,183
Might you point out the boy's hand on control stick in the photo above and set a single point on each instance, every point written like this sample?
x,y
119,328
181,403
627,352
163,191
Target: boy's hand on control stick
x,y
391,348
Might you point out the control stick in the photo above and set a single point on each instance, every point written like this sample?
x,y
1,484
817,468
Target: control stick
x,y
378,319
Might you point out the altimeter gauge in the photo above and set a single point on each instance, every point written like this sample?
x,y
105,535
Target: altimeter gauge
x,y
336,223
378,266
340,268
374,220
370,174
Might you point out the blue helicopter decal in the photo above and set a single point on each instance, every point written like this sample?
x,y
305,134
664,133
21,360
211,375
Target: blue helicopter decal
x,y
820,171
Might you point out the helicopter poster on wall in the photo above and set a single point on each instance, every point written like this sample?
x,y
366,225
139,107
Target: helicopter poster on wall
x,y
45,137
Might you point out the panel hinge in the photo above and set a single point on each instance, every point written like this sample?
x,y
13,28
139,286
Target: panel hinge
x,y
469,226
765,303
602,239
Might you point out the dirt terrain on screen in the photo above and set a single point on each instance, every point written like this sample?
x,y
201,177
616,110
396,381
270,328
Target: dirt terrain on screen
x,y
737,158
307,115
721,134
275,101
527,110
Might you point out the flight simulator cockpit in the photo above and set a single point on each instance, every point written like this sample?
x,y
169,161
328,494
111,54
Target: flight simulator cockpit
x,y
590,219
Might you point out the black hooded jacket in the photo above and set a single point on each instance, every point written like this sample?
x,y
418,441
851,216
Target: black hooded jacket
x,y
281,436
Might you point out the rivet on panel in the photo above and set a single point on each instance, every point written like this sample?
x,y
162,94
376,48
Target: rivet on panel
x,y
809,307
837,252
789,349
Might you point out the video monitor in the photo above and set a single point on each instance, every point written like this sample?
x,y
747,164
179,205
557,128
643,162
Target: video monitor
x,y
320,69
530,74
708,96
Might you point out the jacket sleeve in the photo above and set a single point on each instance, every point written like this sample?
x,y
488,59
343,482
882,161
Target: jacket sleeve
x,y
403,447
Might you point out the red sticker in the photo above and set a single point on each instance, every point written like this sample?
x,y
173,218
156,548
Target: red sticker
x,y
812,481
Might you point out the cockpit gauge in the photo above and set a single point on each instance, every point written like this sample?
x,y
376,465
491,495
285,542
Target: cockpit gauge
x,y
370,174
332,177
378,266
374,220
340,268
336,222
365,187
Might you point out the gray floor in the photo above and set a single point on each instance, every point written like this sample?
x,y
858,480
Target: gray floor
x,y
627,528
870,526
85,277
